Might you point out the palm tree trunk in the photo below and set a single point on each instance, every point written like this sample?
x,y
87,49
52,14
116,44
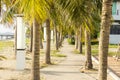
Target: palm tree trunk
x,y
80,47
80,41
76,41
31,38
56,38
104,38
35,51
61,39
41,37
48,32
88,63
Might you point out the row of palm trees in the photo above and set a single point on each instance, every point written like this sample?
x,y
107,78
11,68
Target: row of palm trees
x,y
65,16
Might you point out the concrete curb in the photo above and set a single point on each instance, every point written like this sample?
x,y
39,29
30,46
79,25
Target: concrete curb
x,y
108,70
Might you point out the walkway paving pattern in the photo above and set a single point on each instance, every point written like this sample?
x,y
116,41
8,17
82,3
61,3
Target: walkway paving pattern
x,y
70,68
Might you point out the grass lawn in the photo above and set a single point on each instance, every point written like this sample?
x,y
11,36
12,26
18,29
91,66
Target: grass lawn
x,y
95,50
54,53
4,44
8,43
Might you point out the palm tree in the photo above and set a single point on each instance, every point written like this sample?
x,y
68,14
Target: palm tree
x,y
88,63
48,32
104,38
51,12
36,8
35,51
76,40
41,37
80,41
56,38
31,38
54,17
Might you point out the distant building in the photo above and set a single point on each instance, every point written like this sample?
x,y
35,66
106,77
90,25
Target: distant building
x,y
115,28
7,35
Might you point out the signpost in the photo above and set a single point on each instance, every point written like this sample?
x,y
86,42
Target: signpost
x,y
20,37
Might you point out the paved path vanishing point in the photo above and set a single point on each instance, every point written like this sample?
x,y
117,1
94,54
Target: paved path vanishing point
x,y
69,69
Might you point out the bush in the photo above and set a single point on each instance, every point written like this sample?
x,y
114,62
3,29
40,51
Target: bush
x,y
94,41
71,41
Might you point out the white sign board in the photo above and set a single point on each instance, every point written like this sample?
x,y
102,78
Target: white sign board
x,y
20,55
20,34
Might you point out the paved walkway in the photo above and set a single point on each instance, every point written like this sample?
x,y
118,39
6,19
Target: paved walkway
x,y
69,69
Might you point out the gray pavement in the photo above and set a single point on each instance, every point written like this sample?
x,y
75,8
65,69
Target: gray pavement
x,y
70,68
